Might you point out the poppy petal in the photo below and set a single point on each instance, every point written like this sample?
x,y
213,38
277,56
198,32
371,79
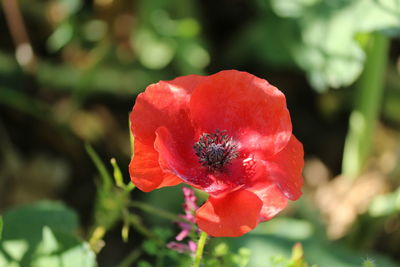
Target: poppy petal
x,y
232,215
251,110
145,170
273,201
163,104
285,169
259,183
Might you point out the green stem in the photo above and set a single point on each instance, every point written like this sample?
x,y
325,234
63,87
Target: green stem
x,y
131,258
1,226
367,106
200,248
153,210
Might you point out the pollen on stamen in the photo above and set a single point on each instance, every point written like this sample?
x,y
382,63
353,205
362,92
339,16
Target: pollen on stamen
x,y
215,150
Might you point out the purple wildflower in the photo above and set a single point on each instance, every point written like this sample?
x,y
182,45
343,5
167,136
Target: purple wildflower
x,y
186,226
183,248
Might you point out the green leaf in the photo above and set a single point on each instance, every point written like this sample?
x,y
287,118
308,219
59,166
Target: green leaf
x,y
1,226
143,263
71,6
290,8
368,263
242,259
27,221
154,52
60,249
384,205
168,35
150,247
42,234
60,37
119,180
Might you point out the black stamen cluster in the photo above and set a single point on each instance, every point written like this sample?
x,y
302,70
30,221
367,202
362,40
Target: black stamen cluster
x,y
215,150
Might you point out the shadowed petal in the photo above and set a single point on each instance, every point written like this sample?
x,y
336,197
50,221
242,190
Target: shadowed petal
x,y
273,201
267,190
285,168
145,170
232,215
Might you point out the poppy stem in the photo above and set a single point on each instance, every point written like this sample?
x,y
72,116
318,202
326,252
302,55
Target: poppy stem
x,y
153,210
200,248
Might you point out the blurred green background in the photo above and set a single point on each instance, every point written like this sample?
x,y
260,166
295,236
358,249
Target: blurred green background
x,y
69,74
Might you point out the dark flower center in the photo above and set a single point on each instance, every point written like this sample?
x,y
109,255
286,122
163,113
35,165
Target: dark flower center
x,y
215,150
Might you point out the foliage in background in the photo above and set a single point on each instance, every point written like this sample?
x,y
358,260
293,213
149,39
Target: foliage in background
x,y
384,205
331,42
167,35
111,202
367,106
273,241
323,38
43,234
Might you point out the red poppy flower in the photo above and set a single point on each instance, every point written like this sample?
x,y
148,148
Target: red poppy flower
x,y
228,134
